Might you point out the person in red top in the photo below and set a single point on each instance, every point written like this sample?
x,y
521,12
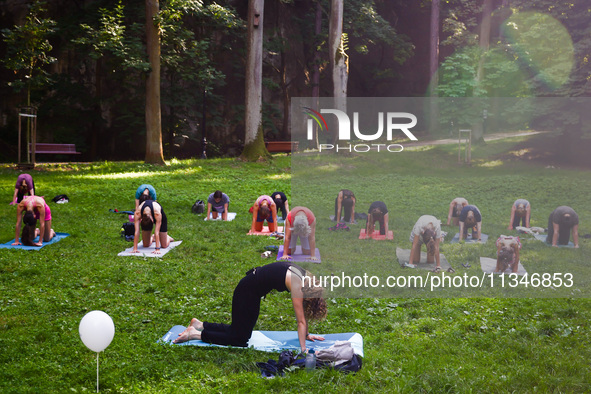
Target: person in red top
x,y
301,223
264,209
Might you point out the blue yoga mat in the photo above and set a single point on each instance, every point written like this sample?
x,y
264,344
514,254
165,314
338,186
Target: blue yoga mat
x,y
58,237
469,239
275,341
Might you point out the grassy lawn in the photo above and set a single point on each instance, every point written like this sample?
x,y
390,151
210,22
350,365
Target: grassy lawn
x,y
426,344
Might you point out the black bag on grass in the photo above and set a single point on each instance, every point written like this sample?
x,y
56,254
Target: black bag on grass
x,y
198,207
128,231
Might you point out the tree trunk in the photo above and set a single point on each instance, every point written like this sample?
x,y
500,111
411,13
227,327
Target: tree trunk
x,y
254,144
316,73
339,60
484,42
434,66
154,153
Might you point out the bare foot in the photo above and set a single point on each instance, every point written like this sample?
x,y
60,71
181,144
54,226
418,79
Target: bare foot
x,y
187,335
197,324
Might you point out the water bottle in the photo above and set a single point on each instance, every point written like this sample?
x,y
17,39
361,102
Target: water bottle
x,y
310,361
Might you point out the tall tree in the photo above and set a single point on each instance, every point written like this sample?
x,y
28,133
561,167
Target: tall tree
x,y
338,57
154,152
434,64
254,144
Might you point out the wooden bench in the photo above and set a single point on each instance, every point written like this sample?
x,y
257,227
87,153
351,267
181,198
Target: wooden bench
x,y
282,146
56,149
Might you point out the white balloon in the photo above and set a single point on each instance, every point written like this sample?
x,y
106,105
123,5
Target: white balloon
x,y
97,330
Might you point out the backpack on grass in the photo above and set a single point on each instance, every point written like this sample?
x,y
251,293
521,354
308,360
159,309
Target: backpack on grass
x,y
198,207
128,231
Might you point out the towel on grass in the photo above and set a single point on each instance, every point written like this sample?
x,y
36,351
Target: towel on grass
x,y
147,252
265,231
58,237
489,265
275,341
542,237
403,256
469,239
298,256
376,235
231,216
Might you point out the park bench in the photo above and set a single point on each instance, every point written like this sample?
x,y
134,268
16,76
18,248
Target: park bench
x,y
56,149
282,146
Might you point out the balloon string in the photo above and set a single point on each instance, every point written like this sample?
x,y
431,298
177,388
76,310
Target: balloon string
x,y
97,372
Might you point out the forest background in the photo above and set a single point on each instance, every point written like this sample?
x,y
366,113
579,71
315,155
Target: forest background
x,y
83,64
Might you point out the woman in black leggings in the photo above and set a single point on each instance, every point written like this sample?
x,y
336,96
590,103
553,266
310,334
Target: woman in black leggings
x,y
150,215
306,299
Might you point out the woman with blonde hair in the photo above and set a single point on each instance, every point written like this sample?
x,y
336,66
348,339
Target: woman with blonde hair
x,y
300,223
306,298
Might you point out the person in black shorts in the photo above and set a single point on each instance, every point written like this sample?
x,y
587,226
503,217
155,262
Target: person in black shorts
x,y
282,204
345,201
470,218
150,215
561,222
306,298
378,212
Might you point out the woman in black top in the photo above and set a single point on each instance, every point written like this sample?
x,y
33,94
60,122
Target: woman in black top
x,y
345,201
150,215
378,212
306,299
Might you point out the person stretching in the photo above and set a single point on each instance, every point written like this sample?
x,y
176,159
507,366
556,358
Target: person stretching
x,y
24,185
264,209
306,299
150,215
33,207
301,223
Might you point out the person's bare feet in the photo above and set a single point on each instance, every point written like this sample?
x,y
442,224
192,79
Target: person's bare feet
x,y
197,324
190,333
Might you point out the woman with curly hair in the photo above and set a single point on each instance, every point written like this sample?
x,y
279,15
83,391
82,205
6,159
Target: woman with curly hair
x,y
306,298
427,230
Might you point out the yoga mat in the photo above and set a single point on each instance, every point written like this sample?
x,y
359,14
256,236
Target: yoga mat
x,y
147,252
469,239
298,256
265,231
58,237
542,237
376,235
403,256
231,216
275,341
489,265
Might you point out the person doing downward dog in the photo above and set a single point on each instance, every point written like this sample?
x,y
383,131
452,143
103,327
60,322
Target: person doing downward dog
x,y
146,190
306,299
301,223
378,212
561,222
507,254
264,209
427,230
520,212
24,185
150,215
345,201
217,202
34,207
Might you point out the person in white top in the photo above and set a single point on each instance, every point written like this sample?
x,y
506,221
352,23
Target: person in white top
x,y
427,230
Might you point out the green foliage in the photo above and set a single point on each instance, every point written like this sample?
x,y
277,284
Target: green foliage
x,y
28,50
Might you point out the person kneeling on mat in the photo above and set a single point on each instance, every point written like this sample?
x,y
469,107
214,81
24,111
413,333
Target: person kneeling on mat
x,y
378,212
217,202
520,212
282,204
507,254
144,190
470,218
455,209
306,298
427,230
264,209
34,207
24,186
301,223
150,215
345,201
561,222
